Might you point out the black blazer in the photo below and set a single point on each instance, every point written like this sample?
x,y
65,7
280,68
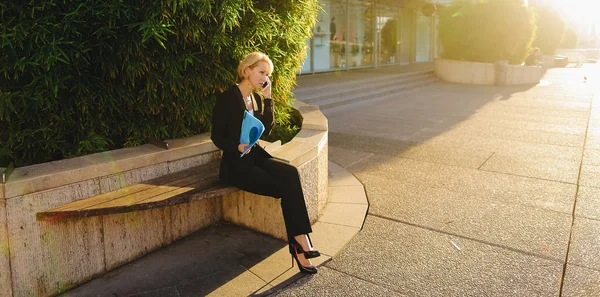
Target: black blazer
x,y
227,117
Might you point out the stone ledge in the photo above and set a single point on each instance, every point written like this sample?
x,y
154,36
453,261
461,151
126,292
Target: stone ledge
x,y
41,177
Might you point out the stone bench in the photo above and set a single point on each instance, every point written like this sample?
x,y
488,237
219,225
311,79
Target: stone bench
x,y
65,222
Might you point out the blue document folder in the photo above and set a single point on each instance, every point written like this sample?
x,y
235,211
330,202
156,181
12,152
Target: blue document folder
x,y
252,129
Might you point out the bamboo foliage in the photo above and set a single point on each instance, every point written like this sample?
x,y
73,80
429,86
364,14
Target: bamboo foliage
x,y
80,77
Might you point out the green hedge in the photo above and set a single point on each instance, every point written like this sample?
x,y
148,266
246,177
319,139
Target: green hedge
x,y
486,31
80,77
570,40
550,30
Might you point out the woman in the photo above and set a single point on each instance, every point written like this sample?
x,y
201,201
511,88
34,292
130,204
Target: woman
x,y
257,171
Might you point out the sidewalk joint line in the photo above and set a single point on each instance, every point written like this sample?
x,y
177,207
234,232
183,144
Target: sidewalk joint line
x,y
336,202
581,266
486,170
248,269
342,224
353,203
469,238
338,225
532,177
365,280
587,128
479,168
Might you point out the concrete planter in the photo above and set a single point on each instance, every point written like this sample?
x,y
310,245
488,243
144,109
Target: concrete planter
x,y
475,73
548,61
524,75
461,72
40,258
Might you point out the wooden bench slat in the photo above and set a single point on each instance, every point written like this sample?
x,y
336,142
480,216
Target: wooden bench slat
x,y
184,183
178,196
211,187
84,203
166,190
174,179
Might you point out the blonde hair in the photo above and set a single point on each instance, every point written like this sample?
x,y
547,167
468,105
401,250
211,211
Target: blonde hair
x,y
250,60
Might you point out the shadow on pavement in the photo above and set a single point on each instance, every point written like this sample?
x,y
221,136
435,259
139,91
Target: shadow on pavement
x,y
193,266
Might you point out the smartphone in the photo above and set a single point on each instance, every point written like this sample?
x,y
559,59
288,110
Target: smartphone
x,y
265,84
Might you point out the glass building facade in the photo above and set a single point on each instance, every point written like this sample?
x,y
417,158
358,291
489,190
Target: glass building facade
x,y
353,34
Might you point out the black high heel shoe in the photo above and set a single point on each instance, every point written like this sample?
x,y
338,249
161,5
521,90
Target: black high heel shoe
x,y
304,269
307,254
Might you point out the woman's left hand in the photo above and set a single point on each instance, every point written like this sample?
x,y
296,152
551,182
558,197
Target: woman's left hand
x,y
267,90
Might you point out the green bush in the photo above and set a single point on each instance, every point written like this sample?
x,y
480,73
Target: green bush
x,y
570,40
79,77
486,31
550,30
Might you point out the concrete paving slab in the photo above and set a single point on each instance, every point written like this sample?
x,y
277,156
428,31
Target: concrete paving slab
x,y
490,115
441,154
346,157
351,215
381,173
419,262
274,265
593,130
366,144
532,122
342,178
329,282
591,157
562,139
293,274
544,103
592,142
528,230
435,153
543,168
590,176
242,285
348,194
585,245
514,107
514,148
581,282
588,203
330,239
334,167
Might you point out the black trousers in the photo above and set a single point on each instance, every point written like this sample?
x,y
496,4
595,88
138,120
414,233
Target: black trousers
x,y
278,179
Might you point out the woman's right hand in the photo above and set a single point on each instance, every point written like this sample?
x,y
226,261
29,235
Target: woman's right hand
x,y
242,147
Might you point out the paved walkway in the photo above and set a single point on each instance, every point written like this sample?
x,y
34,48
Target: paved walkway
x,y
473,191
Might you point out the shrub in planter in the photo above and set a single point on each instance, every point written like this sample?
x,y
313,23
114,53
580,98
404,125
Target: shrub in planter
x,y
486,31
570,40
550,29
79,77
